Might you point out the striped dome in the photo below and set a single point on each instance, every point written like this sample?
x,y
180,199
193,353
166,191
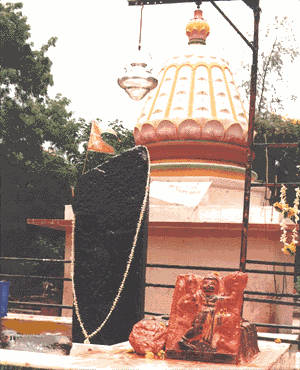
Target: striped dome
x,y
196,100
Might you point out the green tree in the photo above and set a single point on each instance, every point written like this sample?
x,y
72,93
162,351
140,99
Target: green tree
x,y
35,183
277,164
276,55
28,117
85,161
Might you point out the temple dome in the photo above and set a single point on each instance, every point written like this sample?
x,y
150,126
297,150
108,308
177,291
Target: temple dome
x,y
196,112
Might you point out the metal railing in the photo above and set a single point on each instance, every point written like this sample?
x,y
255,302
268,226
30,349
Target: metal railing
x,y
246,292
12,304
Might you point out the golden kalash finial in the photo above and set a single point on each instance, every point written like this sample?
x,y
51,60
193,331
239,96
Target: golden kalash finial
x,y
197,29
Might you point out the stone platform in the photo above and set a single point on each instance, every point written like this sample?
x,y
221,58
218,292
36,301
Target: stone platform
x,y
83,356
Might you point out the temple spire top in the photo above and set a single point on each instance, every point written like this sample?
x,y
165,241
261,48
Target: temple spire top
x,y
197,29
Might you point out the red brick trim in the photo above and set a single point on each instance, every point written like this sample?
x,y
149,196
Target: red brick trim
x,y
57,224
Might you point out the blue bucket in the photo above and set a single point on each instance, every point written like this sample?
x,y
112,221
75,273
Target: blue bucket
x,y
4,293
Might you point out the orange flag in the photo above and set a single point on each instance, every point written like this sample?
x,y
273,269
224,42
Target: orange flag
x,y
96,143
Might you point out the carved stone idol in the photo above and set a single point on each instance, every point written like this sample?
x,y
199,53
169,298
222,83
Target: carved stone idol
x,y
205,321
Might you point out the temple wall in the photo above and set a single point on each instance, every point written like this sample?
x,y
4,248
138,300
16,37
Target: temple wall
x,y
217,248
208,233
216,199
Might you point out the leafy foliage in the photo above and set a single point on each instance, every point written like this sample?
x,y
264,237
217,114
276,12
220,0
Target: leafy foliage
x,y
36,183
28,117
277,164
272,61
88,160
297,285
24,72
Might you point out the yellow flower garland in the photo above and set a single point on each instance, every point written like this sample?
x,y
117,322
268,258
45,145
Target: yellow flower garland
x,y
288,212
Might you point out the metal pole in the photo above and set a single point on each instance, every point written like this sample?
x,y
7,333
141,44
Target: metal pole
x,y
247,188
297,273
232,25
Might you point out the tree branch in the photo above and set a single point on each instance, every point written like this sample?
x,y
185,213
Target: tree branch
x,y
265,72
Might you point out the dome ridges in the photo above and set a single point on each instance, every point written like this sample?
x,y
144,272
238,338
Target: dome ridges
x,y
191,91
179,99
241,113
156,95
190,129
212,96
171,93
229,96
191,94
196,111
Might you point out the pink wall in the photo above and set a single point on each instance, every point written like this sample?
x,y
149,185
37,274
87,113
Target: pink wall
x,y
216,246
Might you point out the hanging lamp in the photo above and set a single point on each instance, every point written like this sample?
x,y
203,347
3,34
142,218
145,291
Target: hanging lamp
x,y
137,80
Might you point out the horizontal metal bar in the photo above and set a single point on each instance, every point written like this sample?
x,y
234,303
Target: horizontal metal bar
x,y
272,301
155,314
252,292
252,5
26,259
270,184
161,2
31,311
256,324
169,286
251,46
159,285
282,340
206,268
35,277
268,272
157,2
40,304
276,326
271,263
277,145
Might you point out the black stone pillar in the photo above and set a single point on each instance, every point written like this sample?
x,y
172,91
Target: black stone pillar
x,y
107,206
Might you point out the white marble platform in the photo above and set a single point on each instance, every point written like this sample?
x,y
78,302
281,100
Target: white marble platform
x,y
83,356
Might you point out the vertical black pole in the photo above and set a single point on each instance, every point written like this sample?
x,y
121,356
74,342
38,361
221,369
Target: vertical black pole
x,y
297,259
296,274
247,188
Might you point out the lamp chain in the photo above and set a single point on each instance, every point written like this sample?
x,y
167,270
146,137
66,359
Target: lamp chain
x,y
141,26
198,3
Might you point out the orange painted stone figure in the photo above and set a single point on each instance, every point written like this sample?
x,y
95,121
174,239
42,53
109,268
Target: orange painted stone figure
x,y
211,328
200,335
205,322
227,335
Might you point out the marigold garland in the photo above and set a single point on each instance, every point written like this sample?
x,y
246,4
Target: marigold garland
x,y
292,213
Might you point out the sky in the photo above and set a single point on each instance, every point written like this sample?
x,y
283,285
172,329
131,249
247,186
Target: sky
x,y
97,38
